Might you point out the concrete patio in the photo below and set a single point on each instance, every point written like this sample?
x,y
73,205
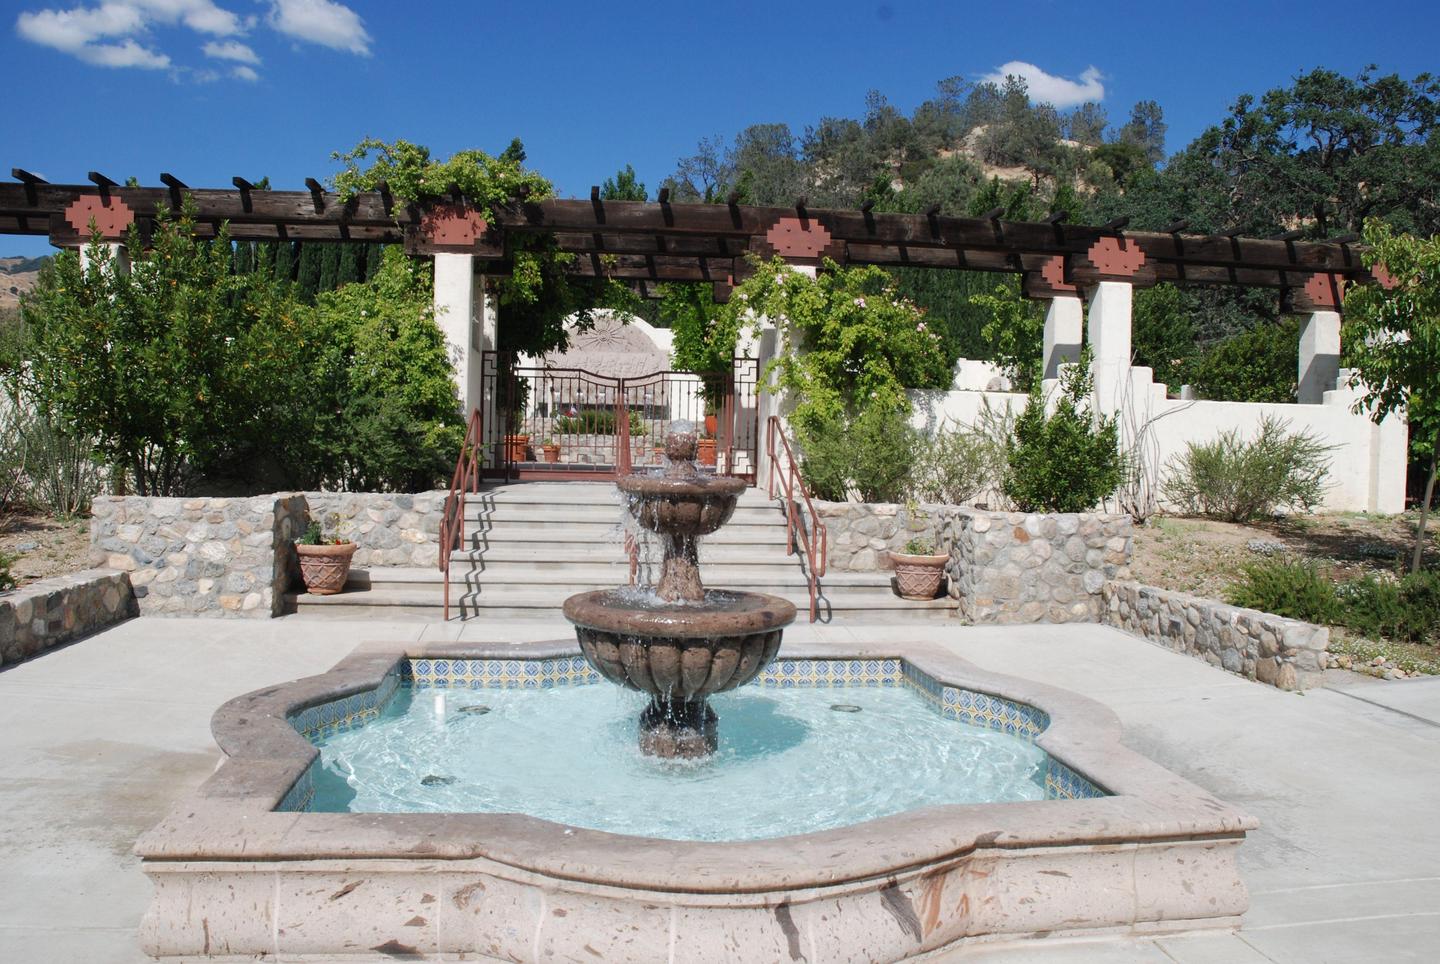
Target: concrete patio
x,y
100,737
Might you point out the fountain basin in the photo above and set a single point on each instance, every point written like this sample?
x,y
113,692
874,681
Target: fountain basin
x,y
235,871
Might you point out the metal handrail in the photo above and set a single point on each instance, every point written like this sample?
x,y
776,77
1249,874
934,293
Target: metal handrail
x,y
466,478
815,538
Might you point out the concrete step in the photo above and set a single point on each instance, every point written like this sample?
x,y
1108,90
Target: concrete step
x,y
580,534
580,579
613,553
427,602
554,516
578,494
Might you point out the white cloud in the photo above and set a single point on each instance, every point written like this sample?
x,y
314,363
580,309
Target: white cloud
x,y
202,16
322,22
245,73
231,50
80,31
125,54
1049,89
70,30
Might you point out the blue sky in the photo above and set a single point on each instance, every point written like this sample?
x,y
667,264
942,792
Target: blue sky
x,y
208,89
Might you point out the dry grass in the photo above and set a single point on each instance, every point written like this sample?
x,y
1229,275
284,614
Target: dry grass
x,y
59,545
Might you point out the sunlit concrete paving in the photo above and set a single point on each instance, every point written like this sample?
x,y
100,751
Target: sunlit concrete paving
x,y
97,739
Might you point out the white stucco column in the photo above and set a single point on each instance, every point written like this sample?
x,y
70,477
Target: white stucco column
x,y
1319,356
1108,327
463,318
1064,325
119,256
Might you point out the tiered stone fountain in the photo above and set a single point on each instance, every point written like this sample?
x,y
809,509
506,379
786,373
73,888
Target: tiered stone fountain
x,y
683,642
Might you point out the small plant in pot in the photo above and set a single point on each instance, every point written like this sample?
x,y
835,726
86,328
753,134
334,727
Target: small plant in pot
x,y
551,448
919,569
324,561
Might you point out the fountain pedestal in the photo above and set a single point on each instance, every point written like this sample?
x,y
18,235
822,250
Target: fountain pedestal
x,y
683,643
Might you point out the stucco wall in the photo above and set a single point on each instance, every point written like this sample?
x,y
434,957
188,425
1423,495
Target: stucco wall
x,y
1367,464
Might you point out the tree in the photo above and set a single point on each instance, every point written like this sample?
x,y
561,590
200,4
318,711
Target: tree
x,y
1086,124
1146,130
624,186
1163,337
1255,366
1323,154
1395,342
175,366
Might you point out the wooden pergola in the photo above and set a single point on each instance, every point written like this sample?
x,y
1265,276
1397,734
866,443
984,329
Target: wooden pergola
x,y
664,241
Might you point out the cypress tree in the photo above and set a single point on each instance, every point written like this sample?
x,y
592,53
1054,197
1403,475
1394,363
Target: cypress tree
x,y
350,269
307,275
283,260
329,267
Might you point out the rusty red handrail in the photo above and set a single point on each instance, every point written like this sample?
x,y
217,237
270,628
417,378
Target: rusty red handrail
x,y
815,538
466,478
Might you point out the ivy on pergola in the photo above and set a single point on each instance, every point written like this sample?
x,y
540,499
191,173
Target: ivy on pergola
x,y
662,241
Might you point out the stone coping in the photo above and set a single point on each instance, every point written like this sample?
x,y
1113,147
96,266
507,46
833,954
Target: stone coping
x,y
232,816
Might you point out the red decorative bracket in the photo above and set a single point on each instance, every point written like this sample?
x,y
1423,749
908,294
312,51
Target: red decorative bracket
x,y
1054,274
111,219
1115,257
1323,291
453,225
800,239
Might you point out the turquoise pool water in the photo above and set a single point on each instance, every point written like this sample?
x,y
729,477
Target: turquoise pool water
x,y
789,761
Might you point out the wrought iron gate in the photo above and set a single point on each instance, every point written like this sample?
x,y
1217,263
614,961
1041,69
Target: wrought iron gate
x,y
568,423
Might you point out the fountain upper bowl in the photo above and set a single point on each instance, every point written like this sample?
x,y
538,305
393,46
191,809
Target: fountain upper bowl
x,y
694,505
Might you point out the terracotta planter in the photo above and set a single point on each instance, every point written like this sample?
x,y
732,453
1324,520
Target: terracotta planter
x,y
325,568
517,448
918,577
705,451
552,452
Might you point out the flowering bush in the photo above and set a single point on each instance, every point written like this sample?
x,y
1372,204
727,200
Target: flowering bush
x,y
853,341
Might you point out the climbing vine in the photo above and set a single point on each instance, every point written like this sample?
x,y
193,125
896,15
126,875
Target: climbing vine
x,y
539,295
854,340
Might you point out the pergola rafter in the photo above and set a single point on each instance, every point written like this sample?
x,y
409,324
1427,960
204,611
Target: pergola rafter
x,y
665,241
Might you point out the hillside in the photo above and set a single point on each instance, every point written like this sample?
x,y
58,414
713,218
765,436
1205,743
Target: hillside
x,y
17,276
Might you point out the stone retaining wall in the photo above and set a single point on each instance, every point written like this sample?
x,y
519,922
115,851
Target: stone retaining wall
x,y
203,556
53,611
1284,653
1017,567
389,529
861,534
1005,567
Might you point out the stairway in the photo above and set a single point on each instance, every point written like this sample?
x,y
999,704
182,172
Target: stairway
x,y
530,545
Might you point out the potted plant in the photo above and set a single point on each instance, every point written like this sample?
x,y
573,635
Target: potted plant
x,y
705,449
517,442
324,562
551,448
919,569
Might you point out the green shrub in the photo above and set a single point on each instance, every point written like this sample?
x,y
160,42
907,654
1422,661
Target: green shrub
x,y
953,467
599,421
874,453
1066,461
7,579
1293,588
1239,481
1405,609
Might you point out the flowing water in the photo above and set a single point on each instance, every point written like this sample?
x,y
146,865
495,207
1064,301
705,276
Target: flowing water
x,y
790,761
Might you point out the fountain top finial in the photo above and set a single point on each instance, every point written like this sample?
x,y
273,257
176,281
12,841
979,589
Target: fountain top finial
x,y
681,446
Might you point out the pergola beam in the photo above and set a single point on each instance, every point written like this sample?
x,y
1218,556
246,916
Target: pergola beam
x,y
696,237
